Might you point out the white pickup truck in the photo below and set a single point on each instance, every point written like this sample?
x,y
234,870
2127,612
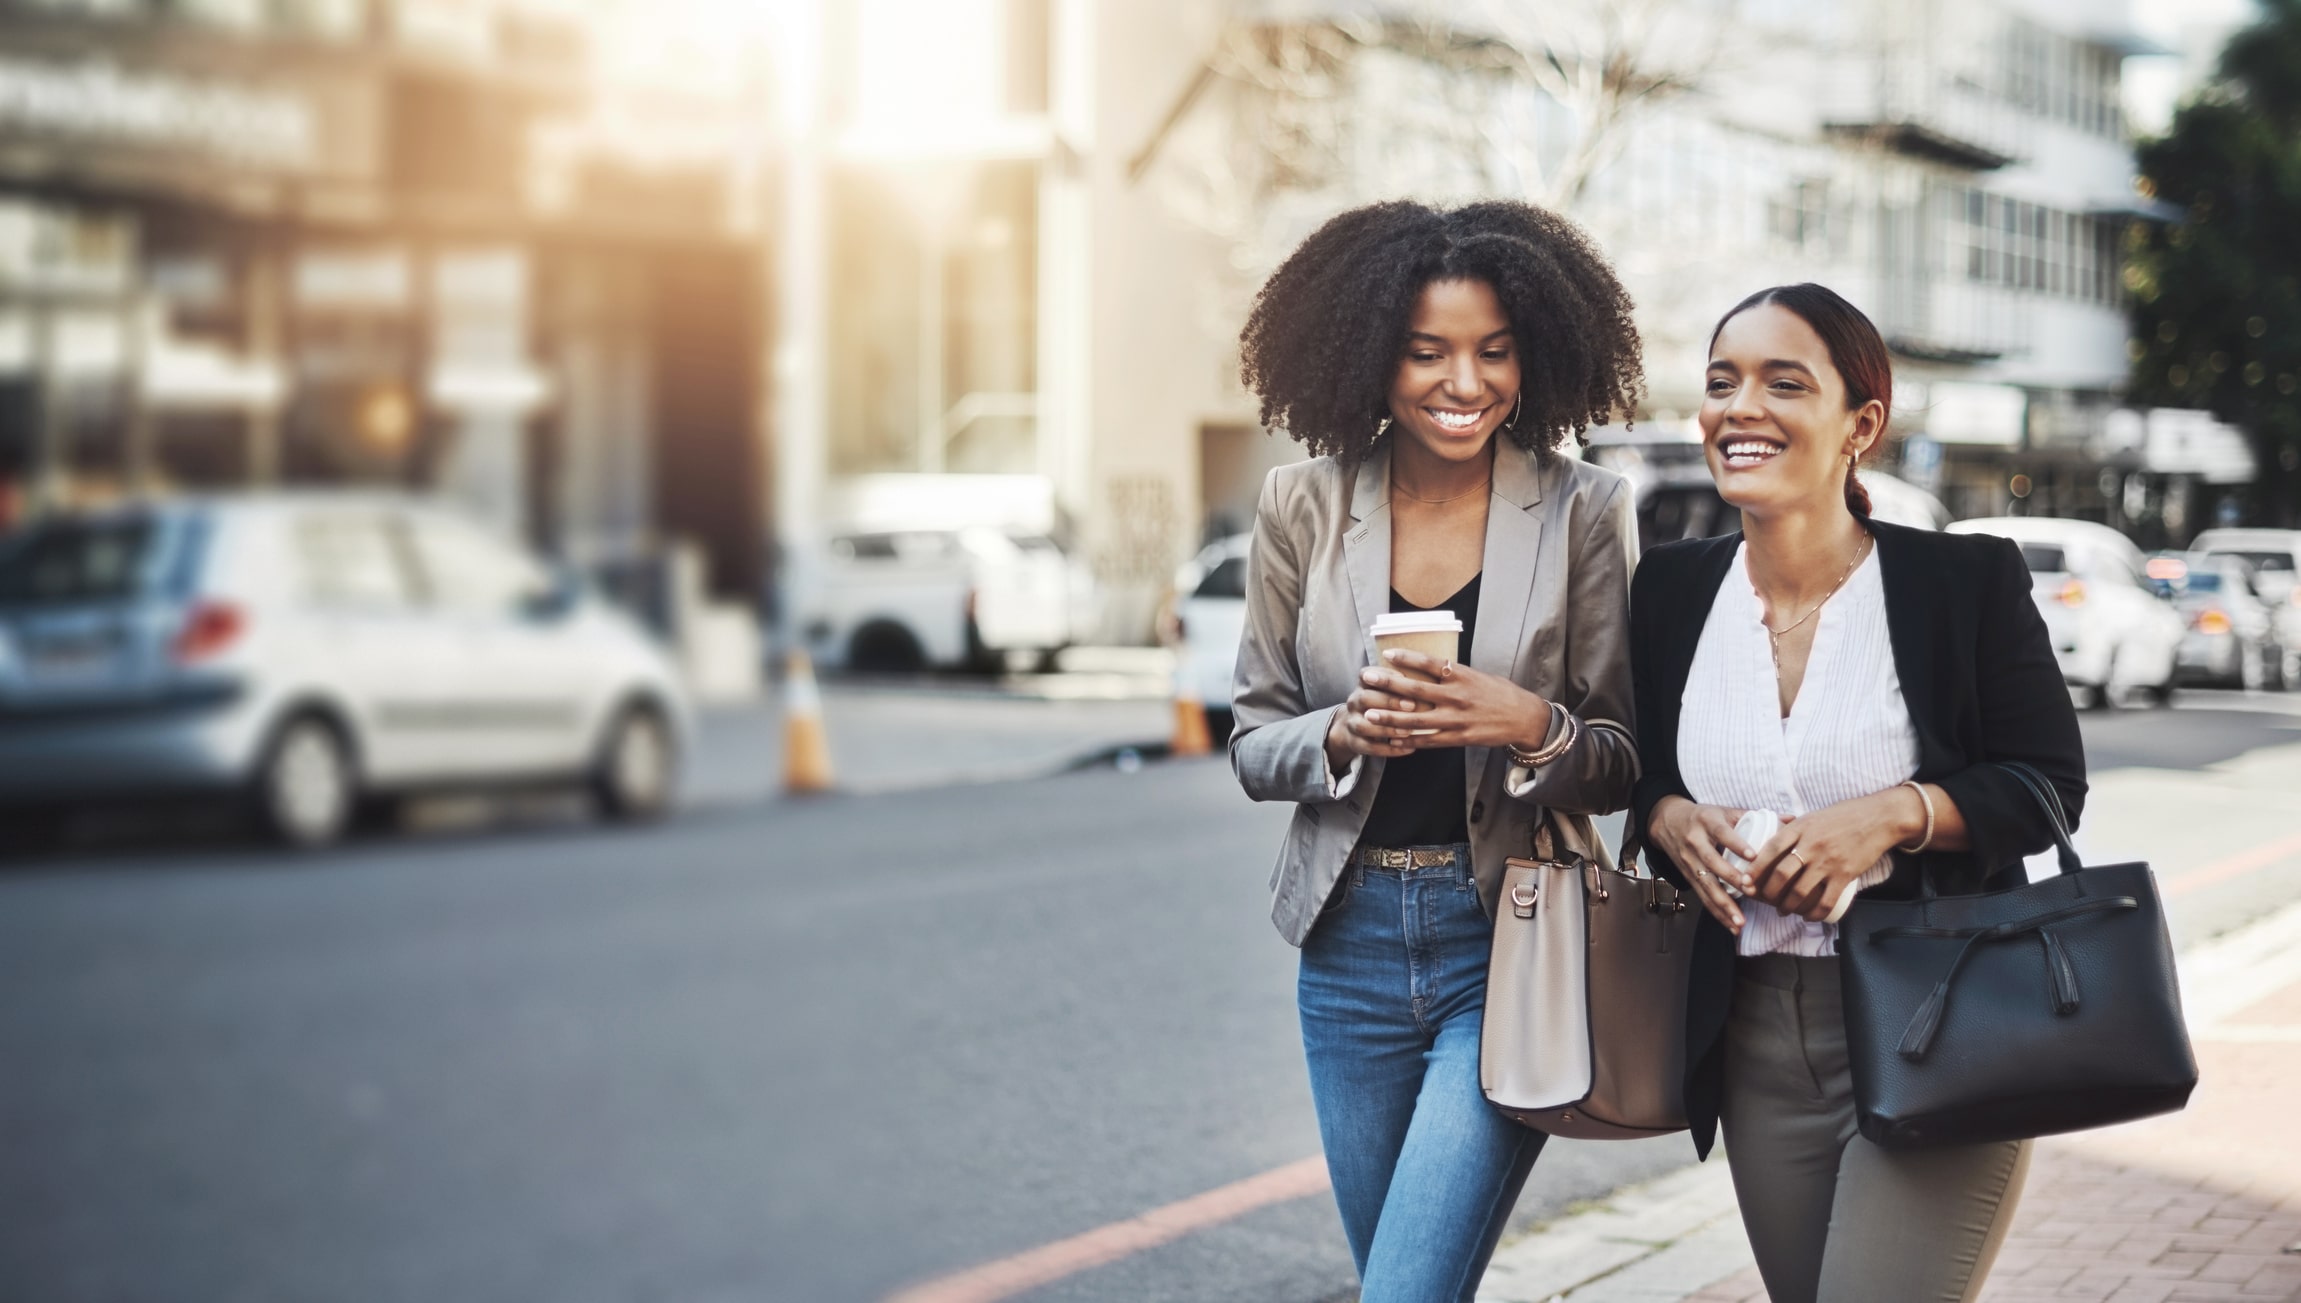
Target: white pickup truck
x,y
942,572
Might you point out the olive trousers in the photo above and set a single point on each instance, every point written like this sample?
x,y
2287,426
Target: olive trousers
x,y
1832,1217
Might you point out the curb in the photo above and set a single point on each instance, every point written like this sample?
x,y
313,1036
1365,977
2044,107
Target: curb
x,y
1670,1237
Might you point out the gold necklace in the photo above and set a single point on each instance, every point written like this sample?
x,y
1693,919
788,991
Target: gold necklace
x,y
1775,636
1400,489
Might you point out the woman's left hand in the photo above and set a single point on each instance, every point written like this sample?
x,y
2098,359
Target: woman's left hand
x,y
1806,866
1466,708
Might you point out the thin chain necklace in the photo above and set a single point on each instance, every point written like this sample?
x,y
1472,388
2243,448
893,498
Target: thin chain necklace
x,y
1480,486
1775,636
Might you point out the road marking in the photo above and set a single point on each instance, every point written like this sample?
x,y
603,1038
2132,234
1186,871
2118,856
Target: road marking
x,y
1052,1262
2234,866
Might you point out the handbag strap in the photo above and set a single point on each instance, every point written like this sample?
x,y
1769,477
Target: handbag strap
x,y
2061,974
2049,801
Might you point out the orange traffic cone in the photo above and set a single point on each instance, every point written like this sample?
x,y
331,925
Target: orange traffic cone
x,y
1191,737
806,746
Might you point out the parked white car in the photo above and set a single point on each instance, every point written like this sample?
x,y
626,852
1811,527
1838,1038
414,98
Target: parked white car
x,y
310,654
2231,642
2275,555
1210,610
2112,635
911,599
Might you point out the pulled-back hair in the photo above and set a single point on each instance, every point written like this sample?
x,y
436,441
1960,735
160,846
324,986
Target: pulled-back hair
x,y
1322,345
1856,348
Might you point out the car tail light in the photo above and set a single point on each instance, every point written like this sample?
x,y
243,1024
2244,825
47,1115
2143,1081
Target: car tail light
x,y
2215,621
210,628
2073,593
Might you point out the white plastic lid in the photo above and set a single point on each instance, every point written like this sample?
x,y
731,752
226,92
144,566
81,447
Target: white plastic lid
x,y
1416,622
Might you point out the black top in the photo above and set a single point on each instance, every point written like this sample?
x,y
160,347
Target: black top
x,y
1977,669
1421,796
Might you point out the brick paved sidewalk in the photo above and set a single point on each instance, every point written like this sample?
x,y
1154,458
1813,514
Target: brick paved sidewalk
x,y
2203,1205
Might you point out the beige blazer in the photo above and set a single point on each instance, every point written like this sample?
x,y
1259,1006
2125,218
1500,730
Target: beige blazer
x,y
1553,611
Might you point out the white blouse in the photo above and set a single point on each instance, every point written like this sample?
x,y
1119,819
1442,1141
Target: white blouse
x,y
1848,734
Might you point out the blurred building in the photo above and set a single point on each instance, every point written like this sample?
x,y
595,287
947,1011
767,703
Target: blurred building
x,y
1962,171
973,283
445,244
1022,233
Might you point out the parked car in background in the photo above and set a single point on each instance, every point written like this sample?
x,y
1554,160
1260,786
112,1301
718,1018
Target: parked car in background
x,y
2112,635
2231,641
1209,618
2275,555
314,655
913,599
917,572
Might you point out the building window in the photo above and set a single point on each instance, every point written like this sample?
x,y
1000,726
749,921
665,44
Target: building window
x,y
1799,217
2061,78
2025,246
934,330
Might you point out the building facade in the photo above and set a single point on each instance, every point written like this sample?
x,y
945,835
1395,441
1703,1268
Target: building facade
x,y
247,243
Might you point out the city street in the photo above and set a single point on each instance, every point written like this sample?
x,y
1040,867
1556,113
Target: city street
x,y
805,1051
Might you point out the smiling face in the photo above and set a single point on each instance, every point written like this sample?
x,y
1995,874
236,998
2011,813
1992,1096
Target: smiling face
x,y
1458,380
1776,428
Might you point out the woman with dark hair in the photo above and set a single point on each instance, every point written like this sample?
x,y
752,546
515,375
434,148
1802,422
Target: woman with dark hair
x,y
1435,360
1861,681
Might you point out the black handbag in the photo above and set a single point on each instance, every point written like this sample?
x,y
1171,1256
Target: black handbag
x,y
2051,1007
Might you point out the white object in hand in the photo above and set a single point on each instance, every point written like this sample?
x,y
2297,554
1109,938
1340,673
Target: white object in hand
x,y
1756,828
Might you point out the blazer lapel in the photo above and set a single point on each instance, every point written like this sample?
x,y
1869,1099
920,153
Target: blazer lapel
x,y
1513,555
1366,546
1506,592
1906,628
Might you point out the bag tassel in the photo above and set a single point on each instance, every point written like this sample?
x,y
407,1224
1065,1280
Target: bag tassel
x,y
2057,963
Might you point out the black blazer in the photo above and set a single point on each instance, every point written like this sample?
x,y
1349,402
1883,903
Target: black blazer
x,y
1978,672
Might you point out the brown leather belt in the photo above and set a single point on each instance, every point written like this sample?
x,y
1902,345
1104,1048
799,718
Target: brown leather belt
x,y
1382,857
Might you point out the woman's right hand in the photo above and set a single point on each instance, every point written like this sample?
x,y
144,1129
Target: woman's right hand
x,y
1350,733
1696,838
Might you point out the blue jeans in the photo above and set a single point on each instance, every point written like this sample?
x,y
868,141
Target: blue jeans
x,y
1392,992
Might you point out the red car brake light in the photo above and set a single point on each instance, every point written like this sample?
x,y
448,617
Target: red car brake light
x,y
210,628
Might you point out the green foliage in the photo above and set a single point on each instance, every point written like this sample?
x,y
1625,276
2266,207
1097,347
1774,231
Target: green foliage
x,y
2217,294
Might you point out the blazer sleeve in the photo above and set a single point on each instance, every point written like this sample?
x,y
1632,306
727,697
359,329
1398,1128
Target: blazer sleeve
x,y
1277,743
1594,776
2025,715
1650,598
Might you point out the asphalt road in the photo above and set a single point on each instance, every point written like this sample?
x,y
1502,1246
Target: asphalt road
x,y
804,1052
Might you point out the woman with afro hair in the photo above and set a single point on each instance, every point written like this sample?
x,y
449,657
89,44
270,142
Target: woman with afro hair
x,y
1434,361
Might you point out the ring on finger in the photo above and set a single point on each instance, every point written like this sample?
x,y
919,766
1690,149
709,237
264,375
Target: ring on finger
x,y
1799,858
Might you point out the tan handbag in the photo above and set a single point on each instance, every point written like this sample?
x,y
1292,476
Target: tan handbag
x,y
1585,1027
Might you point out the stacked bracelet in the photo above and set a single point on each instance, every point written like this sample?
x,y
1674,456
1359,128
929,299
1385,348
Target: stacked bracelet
x,y
1562,723
1925,799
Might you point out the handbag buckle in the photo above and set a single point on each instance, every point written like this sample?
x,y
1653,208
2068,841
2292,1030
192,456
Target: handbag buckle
x,y
1522,898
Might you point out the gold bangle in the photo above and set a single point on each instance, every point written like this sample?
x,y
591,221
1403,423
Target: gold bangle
x,y
1568,736
1925,799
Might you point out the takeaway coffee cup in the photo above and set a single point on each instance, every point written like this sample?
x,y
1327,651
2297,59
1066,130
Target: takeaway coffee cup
x,y
1436,634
